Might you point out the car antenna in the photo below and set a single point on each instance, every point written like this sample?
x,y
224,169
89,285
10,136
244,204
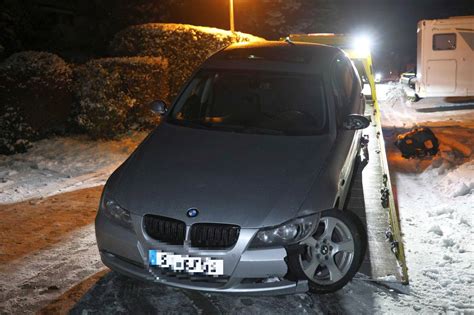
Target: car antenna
x,y
289,41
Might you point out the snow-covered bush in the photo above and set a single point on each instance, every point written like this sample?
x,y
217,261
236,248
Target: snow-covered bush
x,y
15,133
112,94
35,98
185,46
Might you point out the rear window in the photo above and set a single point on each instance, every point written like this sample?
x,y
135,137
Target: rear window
x,y
444,41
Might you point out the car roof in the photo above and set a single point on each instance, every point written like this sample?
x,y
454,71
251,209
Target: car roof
x,y
275,56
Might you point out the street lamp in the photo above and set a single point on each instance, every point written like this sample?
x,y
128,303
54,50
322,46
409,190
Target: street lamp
x,y
231,15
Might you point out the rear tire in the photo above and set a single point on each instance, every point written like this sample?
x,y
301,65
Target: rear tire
x,y
334,253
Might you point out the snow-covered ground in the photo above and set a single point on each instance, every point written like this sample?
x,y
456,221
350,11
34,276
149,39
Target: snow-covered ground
x,y
61,164
435,199
45,275
399,110
436,202
436,210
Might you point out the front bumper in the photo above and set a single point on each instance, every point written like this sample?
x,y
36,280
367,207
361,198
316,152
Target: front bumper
x,y
245,271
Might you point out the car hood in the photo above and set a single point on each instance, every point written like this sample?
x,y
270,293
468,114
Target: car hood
x,y
251,180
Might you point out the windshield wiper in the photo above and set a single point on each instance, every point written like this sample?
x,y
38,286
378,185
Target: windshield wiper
x,y
266,131
224,127
247,129
189,123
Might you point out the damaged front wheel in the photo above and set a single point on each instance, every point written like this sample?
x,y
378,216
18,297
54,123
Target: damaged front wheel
x,y
333,254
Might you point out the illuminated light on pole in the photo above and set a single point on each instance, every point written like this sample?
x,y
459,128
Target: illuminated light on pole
x,y
231,15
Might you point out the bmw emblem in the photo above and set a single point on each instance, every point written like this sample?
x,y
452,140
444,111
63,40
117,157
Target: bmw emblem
x,y
192,213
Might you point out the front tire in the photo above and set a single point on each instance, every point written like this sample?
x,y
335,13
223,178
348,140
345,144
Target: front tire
x,y
334,253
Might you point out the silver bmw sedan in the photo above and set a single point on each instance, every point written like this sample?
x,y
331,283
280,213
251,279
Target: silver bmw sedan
x,y
242,187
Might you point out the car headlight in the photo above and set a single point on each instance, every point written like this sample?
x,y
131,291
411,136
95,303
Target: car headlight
x,y
290,232
117,214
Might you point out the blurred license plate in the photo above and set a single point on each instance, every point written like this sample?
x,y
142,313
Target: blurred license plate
x,y
185,263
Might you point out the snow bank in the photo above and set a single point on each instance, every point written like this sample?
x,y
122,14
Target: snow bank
x,y
435,199
61,164
185,46
458,182
436,215
435,202
398,110
438,236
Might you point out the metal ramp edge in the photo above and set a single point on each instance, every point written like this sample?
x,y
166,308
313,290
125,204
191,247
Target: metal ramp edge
x,y
371,198
388,194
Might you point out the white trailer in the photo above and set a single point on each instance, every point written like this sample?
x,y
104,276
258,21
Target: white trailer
x,y
445,57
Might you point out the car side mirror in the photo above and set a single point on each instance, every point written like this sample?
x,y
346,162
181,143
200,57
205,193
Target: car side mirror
x,y
158,107
356,122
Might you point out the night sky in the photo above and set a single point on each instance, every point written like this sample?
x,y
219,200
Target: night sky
x,y
390,23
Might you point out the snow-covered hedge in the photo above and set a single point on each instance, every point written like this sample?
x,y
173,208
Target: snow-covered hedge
x,y
15,133
35,98
185,46
112,94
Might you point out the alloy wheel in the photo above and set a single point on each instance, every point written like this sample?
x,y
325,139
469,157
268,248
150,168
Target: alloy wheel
x,y
329,252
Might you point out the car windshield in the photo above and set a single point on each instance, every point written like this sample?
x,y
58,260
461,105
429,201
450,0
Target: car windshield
x,y
253,102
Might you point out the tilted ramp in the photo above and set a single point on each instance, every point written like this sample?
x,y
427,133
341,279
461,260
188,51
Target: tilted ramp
x,y
371,198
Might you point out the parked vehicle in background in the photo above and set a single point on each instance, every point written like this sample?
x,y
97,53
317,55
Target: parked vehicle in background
x,y
408,78
445,57
242,187
378,77
386,76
